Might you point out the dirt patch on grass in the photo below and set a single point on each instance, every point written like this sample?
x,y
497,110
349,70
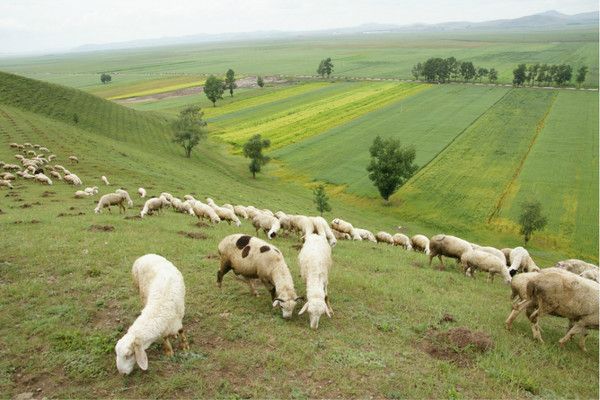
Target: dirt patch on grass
x,y
26,205
457,345
193,235
201,224
101,228
2,212
447,318
48,193
12,194
70,214
133,217
212,256
417,264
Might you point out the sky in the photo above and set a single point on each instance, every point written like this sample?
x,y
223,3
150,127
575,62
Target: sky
x,y
43,25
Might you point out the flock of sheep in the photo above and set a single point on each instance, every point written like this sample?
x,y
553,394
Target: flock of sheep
x,y
570,289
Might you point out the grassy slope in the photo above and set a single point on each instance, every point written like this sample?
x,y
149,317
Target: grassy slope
x,y
386,55
429,120
66,291
567,185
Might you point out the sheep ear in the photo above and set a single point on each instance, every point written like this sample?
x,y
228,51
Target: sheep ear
x,y
328,311
140,357
303,309
276,302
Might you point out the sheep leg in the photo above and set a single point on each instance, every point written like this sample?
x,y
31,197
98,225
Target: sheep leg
x,y
168,349
273,293
534,318
225,268
578,327
515,312
442,266
184,342
328,304
250,283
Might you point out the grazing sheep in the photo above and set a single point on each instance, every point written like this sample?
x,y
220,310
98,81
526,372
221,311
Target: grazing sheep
x,y
19,157
506,251
402,240
91,190
6,183
365,234
321,227
521,261
384,237
44,149
285,221
315,262
342,226
591,274
268,212
268,224
355,235
251,258
56,175
252,211
154,204
72,179
80,194
167,196
449,246
51,157
14,145
60,167
565,295
229,207
478,259
420,243
43,179
142,192
224,214
301,224
189,197
181,206
202,210
576,266
7,176
240,211
114,199
162,290
491,250
340,235
74,160
11,167
105,180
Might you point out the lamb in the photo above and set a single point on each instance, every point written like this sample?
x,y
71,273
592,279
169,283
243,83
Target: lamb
x,y
19,157
384,237
270,225
320,227
154,204
202,210
251,258
576,266
114,199
142,192
72,179
342,226
566,295
240,211
6,183
521,261
591,274
74,160
91,190
365,234
478,259
60,167
420,243
162,290
56,175
315,262
449,246
224,214
402,240
80,194
105,180
43,179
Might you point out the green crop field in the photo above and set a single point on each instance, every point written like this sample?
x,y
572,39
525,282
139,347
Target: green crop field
x,y
66,294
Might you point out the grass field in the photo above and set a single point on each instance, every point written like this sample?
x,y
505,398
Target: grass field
x,y
381,56
66,293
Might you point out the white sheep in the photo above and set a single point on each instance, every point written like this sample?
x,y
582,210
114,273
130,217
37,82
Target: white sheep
x,y
105,180
80,194
113,199
154,204
420,243
384,237
251,258
321,227
72,179
340,235
6,183
315,262
301,224
225,214
74,160
576,266
477,259
201,210
181,206
520,260
401,239
591,274
56,175
364,234
449,246
342,226
228,206
269,224
91,190
142,192
240,211
7,176
43,179
491,250
162,291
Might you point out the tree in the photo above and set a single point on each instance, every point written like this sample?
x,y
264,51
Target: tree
x,y
482,73
260,82
467,71
436,70
519,75
253,150
531,219
452,66
321,200
325,67
230,81
541,76
563,74
493,75
214,88
188,129
105,78
417,70
391,165
581,72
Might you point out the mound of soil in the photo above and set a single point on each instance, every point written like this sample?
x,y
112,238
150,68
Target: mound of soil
x,y
457,345
193,235
101,228
201,224
48,193
133,217
70,214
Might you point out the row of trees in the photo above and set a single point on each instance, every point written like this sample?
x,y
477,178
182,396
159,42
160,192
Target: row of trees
x,y
444,70
544,74
215,87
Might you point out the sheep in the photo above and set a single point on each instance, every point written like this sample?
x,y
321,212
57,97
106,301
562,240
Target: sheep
x,y
521,261
252,211
72,179
315,262
11,167
229,207
14,145
591,274
43,179
506,251
365,234
240,211
51,157
270,225
478,259
575,266
6,183
252,258
402,240
36,146
201,210
113,199
566,295
449,246
142,192
284,220
301,224
74,160
182,206
224,214
154,204
162,290
342,226
91,190
19,157
189,197
384,237
56,175
167,196
80,194
7,176
321,227
268,212
420,243
60,167
340,235
490,250
105,180
44,149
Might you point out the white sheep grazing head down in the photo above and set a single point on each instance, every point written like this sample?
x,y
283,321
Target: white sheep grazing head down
x,y
129,352
287,306
316,308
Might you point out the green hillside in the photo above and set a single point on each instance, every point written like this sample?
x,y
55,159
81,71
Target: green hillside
x,y
66,293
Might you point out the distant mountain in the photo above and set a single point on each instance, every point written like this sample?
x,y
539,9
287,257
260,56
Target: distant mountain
x,y
546,20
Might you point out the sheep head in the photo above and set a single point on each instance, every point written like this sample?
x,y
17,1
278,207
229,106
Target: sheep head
x,y
316,308
130,351
287,306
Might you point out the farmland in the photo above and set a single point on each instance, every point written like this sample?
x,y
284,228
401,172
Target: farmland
x,y
66,290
